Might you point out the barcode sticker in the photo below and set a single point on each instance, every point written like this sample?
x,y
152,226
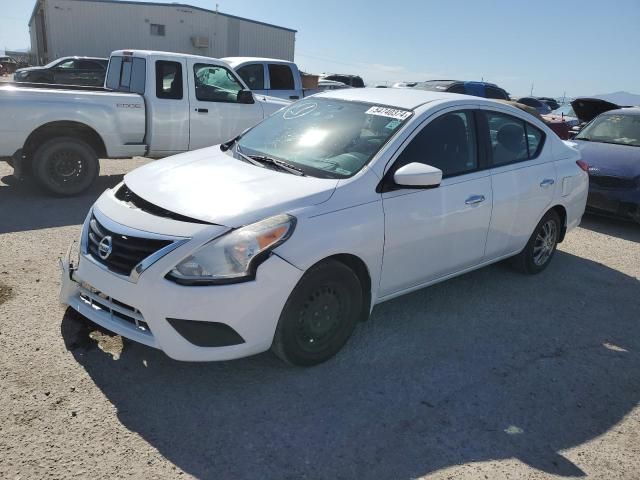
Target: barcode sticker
x,y
389,112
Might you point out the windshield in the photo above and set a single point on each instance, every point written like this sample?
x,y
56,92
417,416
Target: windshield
x,y
618,129
325,137
565,109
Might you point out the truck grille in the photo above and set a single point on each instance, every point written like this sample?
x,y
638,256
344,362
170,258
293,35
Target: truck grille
x,y
126,251
607,181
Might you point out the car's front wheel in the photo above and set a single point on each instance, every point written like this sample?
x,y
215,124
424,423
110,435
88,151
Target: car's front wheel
x,y
320,315
541,246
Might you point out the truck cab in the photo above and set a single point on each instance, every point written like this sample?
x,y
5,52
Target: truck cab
x,y
270,76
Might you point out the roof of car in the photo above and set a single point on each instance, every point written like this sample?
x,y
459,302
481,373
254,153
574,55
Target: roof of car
x,y
239,60
635,111
406,98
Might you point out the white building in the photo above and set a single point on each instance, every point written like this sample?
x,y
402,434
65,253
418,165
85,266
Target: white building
x,y
95,28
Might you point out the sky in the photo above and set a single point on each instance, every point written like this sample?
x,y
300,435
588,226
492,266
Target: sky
x,y
581,48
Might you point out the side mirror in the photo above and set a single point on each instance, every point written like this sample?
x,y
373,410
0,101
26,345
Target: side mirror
x,y
418,175
245,96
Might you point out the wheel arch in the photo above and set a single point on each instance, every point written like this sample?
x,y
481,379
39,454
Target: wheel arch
x,y
64,128
359,267
562,213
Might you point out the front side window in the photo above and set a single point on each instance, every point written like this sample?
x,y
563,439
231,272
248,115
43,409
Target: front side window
x,y
324,137
448,143
280,77
169,80
67,65
613,128
253,76
512,139
215,84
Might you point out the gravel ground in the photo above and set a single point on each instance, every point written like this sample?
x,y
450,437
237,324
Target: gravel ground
x,y
490,375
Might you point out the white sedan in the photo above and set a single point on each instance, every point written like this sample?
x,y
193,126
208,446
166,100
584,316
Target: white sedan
x,y
285,237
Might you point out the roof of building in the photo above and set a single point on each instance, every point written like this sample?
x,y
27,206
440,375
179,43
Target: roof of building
x,y
172,5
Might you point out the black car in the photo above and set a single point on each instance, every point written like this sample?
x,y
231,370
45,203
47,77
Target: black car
x,y
352,80
66,71
477,89
552,102
610,145
542,107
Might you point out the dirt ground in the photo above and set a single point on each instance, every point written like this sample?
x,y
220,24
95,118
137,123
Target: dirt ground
x,y
491,375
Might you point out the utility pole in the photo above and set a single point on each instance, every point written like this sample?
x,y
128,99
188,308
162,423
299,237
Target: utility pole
x,y
531,89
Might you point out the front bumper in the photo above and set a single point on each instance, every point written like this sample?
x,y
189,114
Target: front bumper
x,y
139,311
622,203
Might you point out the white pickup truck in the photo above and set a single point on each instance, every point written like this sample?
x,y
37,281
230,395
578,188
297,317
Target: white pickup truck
x,y
153,104
269,76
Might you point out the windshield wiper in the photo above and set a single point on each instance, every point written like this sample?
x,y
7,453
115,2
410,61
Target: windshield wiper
x,y
287,167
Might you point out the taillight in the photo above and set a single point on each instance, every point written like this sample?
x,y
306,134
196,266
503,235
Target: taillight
x,y
583,165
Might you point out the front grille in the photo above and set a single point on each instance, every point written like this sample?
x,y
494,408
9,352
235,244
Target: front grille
x,y
607,181
126,251
112,307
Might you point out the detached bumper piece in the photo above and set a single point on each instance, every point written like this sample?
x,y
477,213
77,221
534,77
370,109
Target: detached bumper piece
x,y
206,334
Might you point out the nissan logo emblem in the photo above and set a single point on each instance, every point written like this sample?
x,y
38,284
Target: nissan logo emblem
x,y
105,247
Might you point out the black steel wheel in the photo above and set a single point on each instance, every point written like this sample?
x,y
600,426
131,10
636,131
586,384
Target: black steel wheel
x,y
320,315
65,166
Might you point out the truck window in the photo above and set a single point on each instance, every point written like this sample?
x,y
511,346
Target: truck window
x,y
215,83
280,77
253,76
169,80
127,74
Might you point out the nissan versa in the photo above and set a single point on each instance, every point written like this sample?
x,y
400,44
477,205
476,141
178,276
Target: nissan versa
x,y
286,236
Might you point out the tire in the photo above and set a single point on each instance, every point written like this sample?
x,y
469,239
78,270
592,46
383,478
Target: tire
x,y
65,166
541,247
303,337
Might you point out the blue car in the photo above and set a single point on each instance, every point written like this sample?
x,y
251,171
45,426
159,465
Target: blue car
x,y
610,145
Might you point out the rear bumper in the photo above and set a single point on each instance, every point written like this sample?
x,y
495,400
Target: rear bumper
x,y
615,203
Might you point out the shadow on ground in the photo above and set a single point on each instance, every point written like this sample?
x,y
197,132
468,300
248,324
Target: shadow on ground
x,y
490,365
24,206
615,227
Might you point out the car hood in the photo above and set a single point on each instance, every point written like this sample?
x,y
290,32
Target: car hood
x,y
609,159
589,108
29,69
212,186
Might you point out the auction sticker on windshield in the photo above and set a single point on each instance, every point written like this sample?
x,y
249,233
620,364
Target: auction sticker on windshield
x,y
389,112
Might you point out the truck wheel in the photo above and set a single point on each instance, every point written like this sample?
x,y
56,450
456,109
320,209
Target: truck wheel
x,y
65,166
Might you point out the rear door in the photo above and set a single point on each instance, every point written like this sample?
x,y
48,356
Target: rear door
x,y
66,72
523,179
215,113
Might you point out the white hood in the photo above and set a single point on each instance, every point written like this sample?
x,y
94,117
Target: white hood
x,y
212,186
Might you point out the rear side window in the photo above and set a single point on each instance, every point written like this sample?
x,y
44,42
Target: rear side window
x,y
511,139
89,65
448,143
493,92
127,74
281,77
169,80
253,76
358,82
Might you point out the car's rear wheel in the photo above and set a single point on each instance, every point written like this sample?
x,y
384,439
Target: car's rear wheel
x,y
65,166
541,246
319,316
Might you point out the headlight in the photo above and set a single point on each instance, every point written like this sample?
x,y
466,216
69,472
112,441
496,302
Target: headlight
x,y
234,257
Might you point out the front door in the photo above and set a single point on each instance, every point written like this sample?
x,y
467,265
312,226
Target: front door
x,y
215,114
438,231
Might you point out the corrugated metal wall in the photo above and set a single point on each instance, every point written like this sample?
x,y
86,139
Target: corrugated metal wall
x,y
98,28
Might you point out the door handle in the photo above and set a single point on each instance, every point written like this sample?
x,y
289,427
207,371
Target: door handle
x,y
547,182
294,97
202,110
474,199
